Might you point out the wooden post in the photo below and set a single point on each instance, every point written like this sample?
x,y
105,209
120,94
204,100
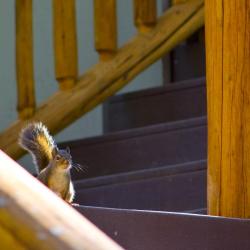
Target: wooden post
x,y
105,28
65,43
24,59
228,93
145,14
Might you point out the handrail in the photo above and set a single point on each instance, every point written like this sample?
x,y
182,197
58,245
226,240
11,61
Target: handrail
x,y
33,217
106,78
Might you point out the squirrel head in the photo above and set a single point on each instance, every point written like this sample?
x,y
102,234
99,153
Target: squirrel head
x,y
62,158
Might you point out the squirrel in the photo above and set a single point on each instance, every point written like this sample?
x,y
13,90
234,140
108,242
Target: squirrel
x,y
52,164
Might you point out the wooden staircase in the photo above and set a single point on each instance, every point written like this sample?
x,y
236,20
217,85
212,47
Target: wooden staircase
x,y
80,94
145,185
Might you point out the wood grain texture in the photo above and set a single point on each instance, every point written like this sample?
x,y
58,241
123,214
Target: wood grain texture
x,y
145,14
65,42
228,92
29,221
106,78
105,28
178,1
24,59
154,230
9,241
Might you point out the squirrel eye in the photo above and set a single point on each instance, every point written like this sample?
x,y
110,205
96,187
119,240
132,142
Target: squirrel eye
x,y
58,157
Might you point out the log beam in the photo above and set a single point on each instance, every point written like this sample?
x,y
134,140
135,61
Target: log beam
x,y
33,217
228,94
104,79
174,2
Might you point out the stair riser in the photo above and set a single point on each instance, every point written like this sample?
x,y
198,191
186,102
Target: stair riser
x,y
149,148
181,192
157,105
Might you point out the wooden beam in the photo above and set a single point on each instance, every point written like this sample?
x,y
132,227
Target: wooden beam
x,y
104,79
145,14
105,28
174,2
228,94
38,224
65,43
24,59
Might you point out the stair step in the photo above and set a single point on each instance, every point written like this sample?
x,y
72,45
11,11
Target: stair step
x,y
147,230
167,103
142,148
173,188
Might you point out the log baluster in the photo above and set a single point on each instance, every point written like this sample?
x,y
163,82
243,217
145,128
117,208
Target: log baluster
x,y
105,23
26,103
65,43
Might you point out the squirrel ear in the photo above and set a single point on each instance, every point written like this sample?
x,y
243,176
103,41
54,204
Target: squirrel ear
x,y
68,150
54,152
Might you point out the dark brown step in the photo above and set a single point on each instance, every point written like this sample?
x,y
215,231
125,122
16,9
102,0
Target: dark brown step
x,y
174,188
171,102
142,148
145,230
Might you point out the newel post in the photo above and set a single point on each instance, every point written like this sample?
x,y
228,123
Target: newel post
x,y
228,91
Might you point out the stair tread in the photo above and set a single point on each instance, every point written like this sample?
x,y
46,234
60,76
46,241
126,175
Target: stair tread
x,y
129,133
140,148
176,86
141,174
174,188
156,230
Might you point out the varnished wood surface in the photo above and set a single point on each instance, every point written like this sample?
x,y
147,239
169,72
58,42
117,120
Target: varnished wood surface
x,y
145,14
228,92
65,42
24,59
105,28
33,217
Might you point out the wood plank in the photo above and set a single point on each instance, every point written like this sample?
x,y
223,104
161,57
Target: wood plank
x,y
145,14
65,43
104,79
172,102
178,188
174,2
38,224
8,240
105,28
175,231
143,148
228,91
24,53
189,59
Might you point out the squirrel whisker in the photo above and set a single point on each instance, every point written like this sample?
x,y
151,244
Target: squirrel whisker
x,y
80,167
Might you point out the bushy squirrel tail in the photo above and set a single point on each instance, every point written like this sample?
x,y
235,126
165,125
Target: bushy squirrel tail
x,y
36,139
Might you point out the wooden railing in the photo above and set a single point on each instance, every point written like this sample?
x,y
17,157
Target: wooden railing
x,y
79,94
25,211
33,217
